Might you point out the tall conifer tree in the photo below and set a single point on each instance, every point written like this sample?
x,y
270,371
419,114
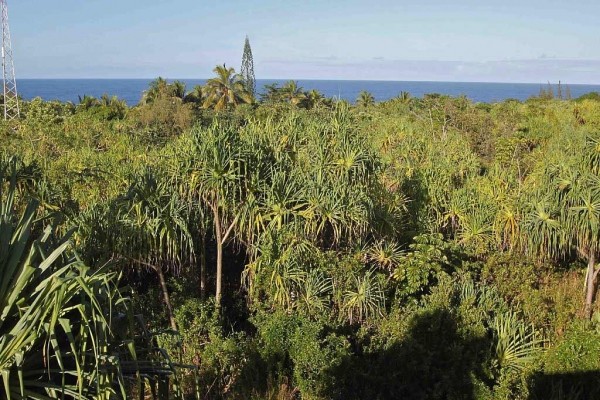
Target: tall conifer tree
x,y
247,70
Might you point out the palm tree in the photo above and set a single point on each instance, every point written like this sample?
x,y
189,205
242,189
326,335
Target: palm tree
x,y
195,96
161,88
86,102
314,98
177,90
226,90
113,108
517,344
271,93
404,96
156,89
292,93
365,99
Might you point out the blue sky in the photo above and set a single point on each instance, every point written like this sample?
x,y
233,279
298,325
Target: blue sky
x,y
439,40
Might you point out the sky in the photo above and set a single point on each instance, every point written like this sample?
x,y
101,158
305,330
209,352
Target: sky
x,y
420,40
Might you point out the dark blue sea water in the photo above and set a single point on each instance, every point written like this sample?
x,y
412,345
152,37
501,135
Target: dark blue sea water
x,y
131,90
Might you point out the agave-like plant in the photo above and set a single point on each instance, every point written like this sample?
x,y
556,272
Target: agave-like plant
x,y
476,230
277,269
54,313
385,254
365,298
315,292
516,343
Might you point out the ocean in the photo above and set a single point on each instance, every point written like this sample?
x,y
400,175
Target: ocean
x,y
131,90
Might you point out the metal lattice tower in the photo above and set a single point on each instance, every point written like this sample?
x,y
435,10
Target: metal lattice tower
x,y
11,98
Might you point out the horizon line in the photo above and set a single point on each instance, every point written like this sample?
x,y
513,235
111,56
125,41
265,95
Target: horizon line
x,y
321,80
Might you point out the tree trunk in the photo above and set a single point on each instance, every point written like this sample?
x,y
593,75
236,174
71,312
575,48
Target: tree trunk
x,y
221,237
219,274
590,286
203,267
163,288
218,238
165,291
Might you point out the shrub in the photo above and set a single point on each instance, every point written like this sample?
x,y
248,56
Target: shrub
x,y
314,353
226,362
577,351
297,348
572,366
162,119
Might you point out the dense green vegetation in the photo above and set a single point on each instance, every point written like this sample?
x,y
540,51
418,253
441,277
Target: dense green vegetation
x,y
303,247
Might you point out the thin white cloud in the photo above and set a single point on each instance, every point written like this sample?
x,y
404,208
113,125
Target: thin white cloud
x,y
526,70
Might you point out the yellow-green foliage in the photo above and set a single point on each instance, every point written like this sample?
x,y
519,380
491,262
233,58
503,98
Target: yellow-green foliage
x,y
419,236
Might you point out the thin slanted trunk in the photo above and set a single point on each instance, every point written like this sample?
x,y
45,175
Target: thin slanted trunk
x,y
163,288
590,285
166,297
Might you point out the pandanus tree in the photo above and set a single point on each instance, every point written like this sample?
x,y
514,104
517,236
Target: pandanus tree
x,y
146,228
272,227
340,180
318,191
216,179
563,216
580,220
153,230
278,271
364,298
476,224
225,91
241,188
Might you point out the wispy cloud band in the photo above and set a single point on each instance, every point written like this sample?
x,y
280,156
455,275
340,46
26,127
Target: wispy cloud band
x,y
532,70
